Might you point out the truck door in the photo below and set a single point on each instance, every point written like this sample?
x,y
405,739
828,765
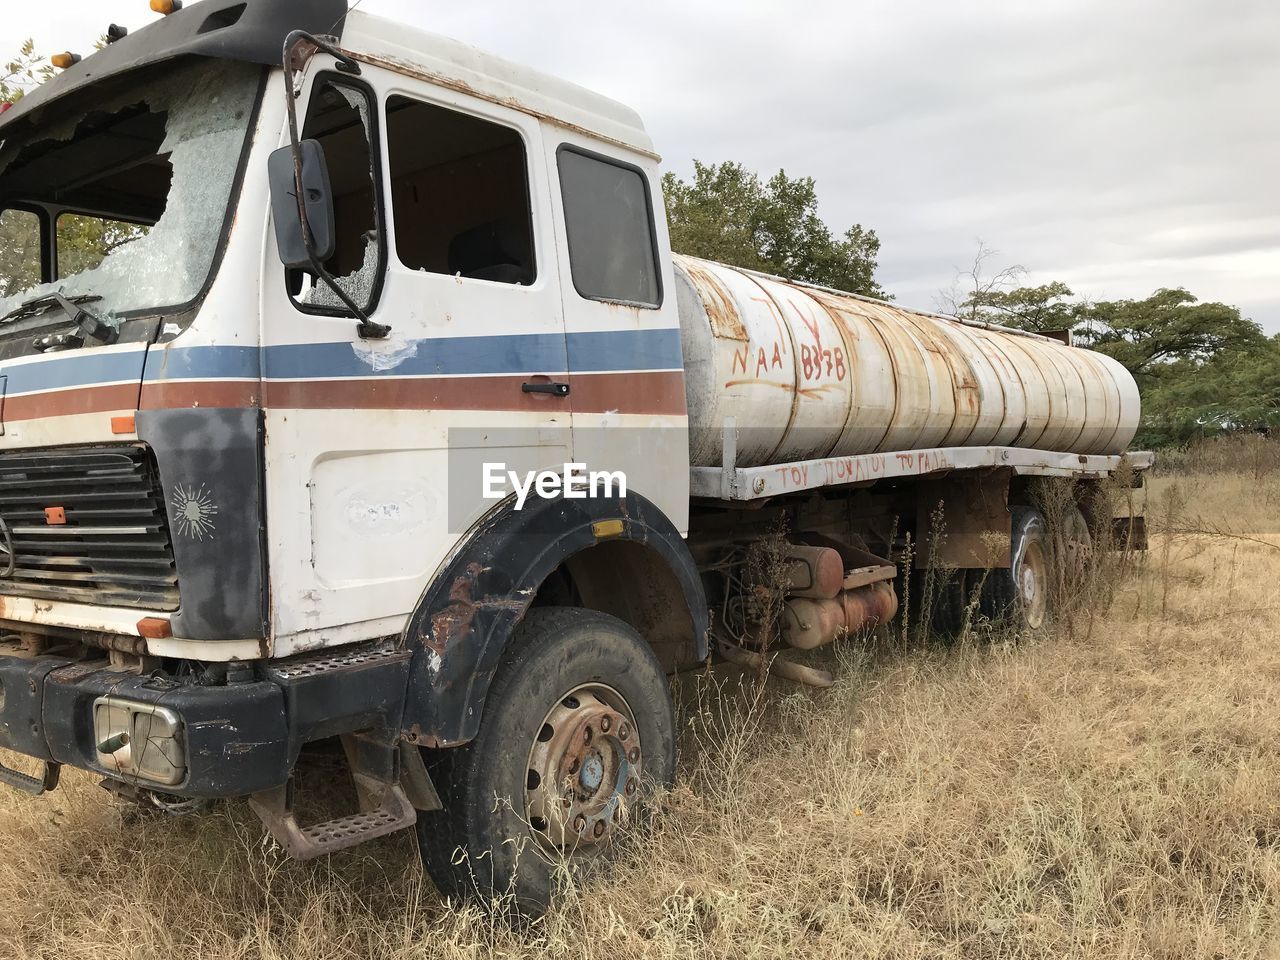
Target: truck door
x,y
376,448
629,411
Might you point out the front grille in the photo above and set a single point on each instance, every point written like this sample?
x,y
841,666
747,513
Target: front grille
x,y
114,548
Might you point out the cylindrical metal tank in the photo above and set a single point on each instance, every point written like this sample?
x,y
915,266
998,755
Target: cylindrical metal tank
x,y
807,373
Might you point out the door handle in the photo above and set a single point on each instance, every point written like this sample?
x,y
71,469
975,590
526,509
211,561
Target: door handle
x,y
554,389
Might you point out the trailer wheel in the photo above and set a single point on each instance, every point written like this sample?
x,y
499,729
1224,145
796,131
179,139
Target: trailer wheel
x,y
1019,595
578,726
1073,546
947,603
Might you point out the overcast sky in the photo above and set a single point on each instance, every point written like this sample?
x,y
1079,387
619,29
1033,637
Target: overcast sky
x,y
1119,147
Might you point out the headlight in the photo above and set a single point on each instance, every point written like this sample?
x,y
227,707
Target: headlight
x,y
140,741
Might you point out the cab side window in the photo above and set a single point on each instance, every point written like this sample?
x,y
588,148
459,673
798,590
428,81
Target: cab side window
x,y
459,194
341,118
608,214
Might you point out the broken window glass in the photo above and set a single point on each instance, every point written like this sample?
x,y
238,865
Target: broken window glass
x,y
339,117
85,241
154,165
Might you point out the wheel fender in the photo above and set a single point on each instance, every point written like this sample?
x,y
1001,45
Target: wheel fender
x,y
467,614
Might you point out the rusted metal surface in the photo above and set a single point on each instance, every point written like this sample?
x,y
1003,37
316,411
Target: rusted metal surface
x,y
869,607
962,522
761,483
417,71
796,673
275,809
814,572
807,373
467,615
585,770
809,624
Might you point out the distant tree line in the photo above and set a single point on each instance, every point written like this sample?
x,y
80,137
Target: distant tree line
x,y
1203,368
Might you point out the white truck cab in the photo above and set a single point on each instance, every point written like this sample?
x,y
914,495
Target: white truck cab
x,y
299,296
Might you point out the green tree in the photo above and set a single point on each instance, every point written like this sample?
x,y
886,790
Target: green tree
x,y
727,213
1046,307
1235,389
1168,327
988,296
22,72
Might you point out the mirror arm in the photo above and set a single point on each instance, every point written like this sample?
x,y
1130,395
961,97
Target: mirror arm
x,y
367,328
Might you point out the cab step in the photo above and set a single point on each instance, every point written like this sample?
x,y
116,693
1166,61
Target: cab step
x,y
275,808
36,786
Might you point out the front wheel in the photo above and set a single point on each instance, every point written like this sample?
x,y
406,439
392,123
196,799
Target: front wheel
x,y
578,724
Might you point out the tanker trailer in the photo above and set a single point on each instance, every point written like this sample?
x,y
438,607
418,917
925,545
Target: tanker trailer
x,y
833,432
809,373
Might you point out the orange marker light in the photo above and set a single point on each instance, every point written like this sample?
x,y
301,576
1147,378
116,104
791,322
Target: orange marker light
x,y
605,529
155,628
55,516
64,60
124,426
166,7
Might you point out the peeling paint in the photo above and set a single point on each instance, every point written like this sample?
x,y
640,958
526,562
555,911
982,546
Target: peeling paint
x,y
383,355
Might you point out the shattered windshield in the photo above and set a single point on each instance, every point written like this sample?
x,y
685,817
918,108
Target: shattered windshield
x,y
136,187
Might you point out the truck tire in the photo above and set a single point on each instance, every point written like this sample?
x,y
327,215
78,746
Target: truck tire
x,y
578,727
947,603
1073,547
1019,596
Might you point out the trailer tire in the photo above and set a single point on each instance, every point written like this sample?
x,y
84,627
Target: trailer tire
x,y
578,728
1019,596
947,603
1074,555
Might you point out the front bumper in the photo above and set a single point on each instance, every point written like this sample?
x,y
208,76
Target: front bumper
x,y
231,741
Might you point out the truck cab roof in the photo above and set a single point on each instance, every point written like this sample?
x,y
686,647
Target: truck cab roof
x,y
255,31
461,66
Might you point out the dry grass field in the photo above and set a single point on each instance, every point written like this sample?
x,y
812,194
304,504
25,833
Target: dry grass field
x,y
1111,789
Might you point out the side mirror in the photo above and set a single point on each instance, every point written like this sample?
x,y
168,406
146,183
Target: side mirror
x,y
318,197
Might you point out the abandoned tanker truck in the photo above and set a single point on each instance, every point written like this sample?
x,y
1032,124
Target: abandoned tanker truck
x,y
383,415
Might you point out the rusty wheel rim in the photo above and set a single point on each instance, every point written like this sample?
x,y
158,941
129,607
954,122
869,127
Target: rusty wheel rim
x,y
1033,585
584,771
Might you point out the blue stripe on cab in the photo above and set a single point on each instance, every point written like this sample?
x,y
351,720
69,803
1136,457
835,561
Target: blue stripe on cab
x,y
203,363
597,352
625,350
70,370
443,357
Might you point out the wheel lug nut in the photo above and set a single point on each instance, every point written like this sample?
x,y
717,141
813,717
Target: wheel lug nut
x,y
605,724
631,786
634,755
580,825
599,830
624,731
586,735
